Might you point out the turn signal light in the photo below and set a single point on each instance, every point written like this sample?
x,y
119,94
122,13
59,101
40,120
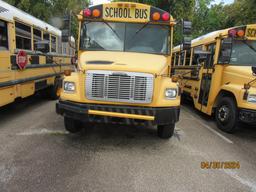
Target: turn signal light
x,y
67,72
96,13
236,33
166,16
175,79
240,33
87,13
156,16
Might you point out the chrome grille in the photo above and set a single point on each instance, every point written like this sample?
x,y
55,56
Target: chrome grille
x,y
119,86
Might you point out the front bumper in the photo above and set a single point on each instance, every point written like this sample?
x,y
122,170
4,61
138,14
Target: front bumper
x,y
247,116
118,114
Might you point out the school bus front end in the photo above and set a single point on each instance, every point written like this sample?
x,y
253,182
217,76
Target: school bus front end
x,y
218,74
123,74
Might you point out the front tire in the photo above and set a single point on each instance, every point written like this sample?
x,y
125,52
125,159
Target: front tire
x,y
165,131
227,115
72,125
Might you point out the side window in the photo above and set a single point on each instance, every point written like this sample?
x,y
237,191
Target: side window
x,y
23,36
195,56
59,45
182,57
188,54
3,36
53,44
173,58
46,37
210,60
64,48
177,59
37,35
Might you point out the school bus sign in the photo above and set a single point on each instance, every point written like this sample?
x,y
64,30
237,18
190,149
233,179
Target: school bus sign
x,y
133,12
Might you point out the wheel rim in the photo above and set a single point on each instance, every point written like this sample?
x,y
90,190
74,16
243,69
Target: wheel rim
x,y
224,114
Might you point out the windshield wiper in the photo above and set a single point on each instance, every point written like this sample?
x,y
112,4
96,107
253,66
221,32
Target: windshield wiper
x,y
250,46
143,27
139,30
113,30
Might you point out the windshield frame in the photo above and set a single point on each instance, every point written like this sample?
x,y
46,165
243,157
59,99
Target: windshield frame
x,y
168,44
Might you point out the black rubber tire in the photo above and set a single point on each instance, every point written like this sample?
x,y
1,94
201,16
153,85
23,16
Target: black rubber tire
x,y
227,121
165,131
53,90
72,125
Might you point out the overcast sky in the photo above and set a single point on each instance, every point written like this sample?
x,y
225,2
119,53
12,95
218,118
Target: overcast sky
x,y
224,1
216,1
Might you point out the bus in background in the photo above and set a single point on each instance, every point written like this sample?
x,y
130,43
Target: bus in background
x,y
124,77
31,57
218,74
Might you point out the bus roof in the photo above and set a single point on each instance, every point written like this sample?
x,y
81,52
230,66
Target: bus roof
x,y
11,13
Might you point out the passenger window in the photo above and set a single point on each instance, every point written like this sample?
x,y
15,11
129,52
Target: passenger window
x,y
173,57
195,56
37,36
3,36
59,45
53,44
188,54
23,36
182,58
176,59
64,48
46,37
210,60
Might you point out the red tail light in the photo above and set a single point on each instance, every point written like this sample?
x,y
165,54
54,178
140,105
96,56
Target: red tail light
x,y
232,33
87,13
166,16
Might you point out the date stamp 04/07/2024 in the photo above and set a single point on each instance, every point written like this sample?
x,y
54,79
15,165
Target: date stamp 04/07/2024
x,y
220,165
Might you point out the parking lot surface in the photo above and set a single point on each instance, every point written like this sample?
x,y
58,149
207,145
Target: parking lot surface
x,y
37,154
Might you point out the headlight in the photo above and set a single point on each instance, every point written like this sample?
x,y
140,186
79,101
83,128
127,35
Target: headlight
x,y
171,93
251,98
69,86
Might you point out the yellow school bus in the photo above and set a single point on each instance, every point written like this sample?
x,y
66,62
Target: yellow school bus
x,y
124,57
32,56
218,74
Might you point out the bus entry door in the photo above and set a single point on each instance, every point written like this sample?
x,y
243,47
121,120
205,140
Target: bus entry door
x,y
206,79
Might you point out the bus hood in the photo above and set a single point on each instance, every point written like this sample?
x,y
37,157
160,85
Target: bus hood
x,y
123,61
240,74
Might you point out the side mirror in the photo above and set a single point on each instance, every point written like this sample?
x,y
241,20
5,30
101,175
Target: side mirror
x,y
186,27
226,50
43,46
66,28
254,70
186,44
186,31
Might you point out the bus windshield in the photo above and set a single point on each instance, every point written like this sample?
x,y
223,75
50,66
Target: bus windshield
x,y
128,37
243,52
